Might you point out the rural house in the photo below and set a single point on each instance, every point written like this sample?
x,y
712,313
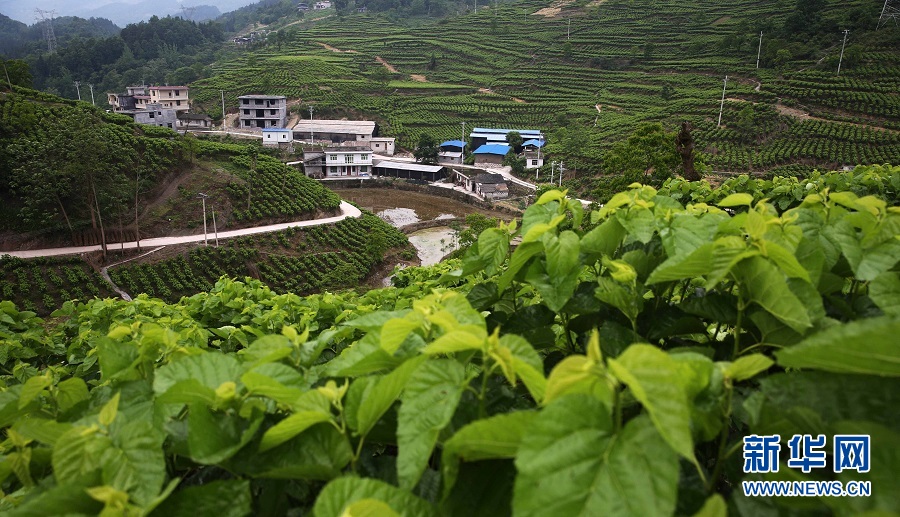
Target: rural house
x,y
408,170
171,97
490,155
192,120
277,136
451,152
481,136
348,161
262,111
490,186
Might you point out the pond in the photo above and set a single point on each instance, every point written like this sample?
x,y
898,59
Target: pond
x,y
400,207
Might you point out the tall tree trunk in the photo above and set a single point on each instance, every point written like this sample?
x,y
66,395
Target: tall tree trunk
x,y
100,218
137,231
66,217
684,144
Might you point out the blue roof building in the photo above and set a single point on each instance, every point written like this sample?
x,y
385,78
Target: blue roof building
x,y
453,143
498,149
533,143
481,136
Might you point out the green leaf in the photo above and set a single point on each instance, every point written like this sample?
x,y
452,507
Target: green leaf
x,y
427,405
210,369
115,358
319,453
395,331
571,462
493,245
654,379
620,297
455,341
215,436
70,393
109,410
575,374
135,463
343,492
77,454
867,346
33,388
259,384
747,367
523,253
188,391
369,508
266,349
382,395
291,427
763,283
41,429
604,239
229,498
885,292
557,276
739,199
713,507
64,499
679,267
527,364
495,437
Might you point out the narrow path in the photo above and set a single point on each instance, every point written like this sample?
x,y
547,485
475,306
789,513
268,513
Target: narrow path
x,y
387,65
347,210
104,272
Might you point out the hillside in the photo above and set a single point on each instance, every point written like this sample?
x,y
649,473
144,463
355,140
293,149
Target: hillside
x,y
599,70
627,361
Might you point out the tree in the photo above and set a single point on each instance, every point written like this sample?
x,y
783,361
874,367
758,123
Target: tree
x,y
650,150
427,150
16,72
514,139
684,144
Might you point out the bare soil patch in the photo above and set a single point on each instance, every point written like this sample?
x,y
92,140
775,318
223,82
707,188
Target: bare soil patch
x,y
335,49
554,9
520,101
418,77
387,65
721,20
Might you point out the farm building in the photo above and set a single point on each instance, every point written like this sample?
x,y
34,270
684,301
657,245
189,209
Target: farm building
x,y
382,145
154,115
491,154
193,120
335,131
407,170
274,136
451,152
490,186
481,136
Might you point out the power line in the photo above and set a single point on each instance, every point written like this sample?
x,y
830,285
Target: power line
x,y
890,11
47,18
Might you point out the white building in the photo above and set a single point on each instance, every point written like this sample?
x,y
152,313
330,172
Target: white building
x,y
341,162
275,136
262,111
382,145
171,97
335,131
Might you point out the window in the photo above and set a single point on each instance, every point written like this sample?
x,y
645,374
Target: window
x,y
534,162
332,157
170,94
272,112
364,157
364,168
170,125
348,158
378,145
178,103
246,112
152,115
246,102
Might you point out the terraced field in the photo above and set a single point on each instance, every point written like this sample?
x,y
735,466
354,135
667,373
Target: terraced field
x,y
604,68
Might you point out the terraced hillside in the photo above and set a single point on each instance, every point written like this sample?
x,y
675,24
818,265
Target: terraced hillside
x,y
603,68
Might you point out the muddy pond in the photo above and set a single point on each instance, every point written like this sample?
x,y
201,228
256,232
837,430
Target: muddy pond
x,y
400,208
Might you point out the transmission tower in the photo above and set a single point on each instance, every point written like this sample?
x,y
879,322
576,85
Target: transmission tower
x,y
47,18
890,11
188,12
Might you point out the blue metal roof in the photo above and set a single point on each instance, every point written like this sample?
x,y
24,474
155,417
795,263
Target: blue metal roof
x,y
504,131
500,149
535,142
453,143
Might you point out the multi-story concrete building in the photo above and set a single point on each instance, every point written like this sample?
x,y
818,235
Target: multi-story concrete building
x,y
155,115
262,111
172,97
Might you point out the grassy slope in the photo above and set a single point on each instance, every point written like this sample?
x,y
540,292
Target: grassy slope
x,y
537,80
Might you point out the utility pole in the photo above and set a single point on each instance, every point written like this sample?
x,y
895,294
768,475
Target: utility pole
x,y
568,29
223,110
311,139
846,31
215,230
462,150
92,94
203,197
722,106
78,89
759,52
552,165
561,169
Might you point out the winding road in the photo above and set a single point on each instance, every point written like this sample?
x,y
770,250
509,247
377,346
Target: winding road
x,y
347,210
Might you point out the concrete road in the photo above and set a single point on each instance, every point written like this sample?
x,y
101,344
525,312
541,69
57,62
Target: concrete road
x,y
347,210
